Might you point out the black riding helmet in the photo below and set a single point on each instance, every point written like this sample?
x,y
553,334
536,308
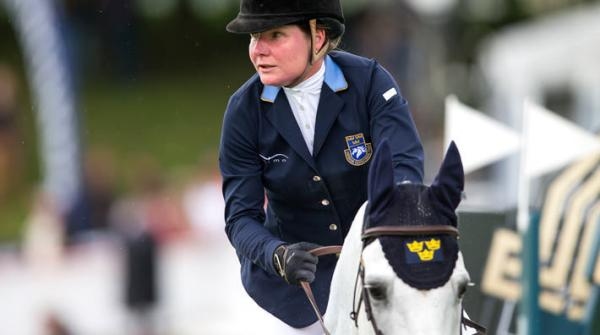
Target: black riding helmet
x,y
260,15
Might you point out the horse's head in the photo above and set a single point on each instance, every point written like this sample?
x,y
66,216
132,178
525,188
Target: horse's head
x,y
414,275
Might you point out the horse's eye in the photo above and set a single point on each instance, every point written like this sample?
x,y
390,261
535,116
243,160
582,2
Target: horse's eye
x,y
376,291
462,289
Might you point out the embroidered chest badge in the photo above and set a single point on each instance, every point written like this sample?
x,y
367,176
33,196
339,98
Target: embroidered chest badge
x,y
359,152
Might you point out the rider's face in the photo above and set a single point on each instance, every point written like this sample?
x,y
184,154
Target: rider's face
x,y
281,55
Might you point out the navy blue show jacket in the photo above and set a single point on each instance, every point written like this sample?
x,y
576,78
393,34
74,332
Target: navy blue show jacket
x,y
308,197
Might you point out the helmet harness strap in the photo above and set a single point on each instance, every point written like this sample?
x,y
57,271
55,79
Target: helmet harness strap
x,y
315,53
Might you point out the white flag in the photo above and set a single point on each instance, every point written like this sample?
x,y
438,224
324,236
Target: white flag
x,y
480,139
552,141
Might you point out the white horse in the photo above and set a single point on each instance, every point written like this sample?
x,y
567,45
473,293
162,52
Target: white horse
x,y
395,306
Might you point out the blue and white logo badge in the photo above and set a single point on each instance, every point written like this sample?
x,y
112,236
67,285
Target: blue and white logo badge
x,y
359,152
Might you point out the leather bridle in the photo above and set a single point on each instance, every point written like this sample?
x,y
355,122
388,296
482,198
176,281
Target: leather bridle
x,y
368,236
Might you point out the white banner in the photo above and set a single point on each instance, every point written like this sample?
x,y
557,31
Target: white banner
x,y
552,141
480,139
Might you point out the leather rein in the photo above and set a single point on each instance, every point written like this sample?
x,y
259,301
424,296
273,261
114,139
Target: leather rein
x,y
368,236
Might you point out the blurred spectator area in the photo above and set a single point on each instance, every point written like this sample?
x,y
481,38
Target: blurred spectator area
x,y
153,77
150,80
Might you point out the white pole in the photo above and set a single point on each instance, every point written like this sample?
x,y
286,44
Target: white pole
x,y
36,23
523,179
523,202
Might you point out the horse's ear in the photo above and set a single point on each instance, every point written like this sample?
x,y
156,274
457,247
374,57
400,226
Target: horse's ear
x,y
381,181
448,186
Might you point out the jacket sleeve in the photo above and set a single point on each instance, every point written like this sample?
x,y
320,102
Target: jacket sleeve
x,y
243,190
390,118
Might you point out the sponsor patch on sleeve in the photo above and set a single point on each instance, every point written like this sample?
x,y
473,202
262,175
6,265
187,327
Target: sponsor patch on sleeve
x,y
390,94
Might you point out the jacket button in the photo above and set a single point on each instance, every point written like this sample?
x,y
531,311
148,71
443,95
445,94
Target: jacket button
x,y
316,178
325,202
332,227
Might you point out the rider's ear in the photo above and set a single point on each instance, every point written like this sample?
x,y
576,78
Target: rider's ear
x,y
381,181
448,185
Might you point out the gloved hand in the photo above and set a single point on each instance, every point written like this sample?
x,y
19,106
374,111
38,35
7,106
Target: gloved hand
x,y
295,263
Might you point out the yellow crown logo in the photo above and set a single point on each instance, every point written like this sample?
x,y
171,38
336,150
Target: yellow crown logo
x,y
433,244
415,246
426,255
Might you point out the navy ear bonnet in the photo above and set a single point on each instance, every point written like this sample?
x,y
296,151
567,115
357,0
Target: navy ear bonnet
x,y
421,261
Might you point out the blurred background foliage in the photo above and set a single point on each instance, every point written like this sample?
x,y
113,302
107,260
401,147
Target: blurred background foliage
x,y
153,77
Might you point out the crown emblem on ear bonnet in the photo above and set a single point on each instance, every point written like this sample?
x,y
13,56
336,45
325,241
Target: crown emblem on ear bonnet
x,y
424,261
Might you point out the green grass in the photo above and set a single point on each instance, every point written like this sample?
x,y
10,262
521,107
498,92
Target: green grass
x,y
175,119
12,215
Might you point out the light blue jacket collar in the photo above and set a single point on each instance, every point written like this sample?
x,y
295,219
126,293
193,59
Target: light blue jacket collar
x,y
334,78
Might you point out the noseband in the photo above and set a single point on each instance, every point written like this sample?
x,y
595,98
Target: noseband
x,y
368,236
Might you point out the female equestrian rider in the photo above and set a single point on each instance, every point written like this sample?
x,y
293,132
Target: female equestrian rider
x,y
302,131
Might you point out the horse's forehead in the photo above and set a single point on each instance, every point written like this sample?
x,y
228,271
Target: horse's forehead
x,y
412,310
376,261
373,256
423,262
410,306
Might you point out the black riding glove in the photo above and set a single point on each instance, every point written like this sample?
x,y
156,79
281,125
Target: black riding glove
x,y
295,263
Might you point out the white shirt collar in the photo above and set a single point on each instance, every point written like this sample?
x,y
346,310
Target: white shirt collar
x,y
304,102
311,85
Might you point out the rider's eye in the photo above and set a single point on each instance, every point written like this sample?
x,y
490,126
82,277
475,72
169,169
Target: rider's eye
x,y
376,291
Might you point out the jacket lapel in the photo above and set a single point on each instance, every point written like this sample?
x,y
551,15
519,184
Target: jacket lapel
x,y
330,105
282,118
